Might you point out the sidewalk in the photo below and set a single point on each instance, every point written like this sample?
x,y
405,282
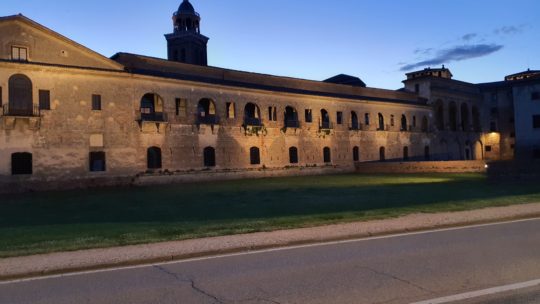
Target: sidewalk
x,y
65,262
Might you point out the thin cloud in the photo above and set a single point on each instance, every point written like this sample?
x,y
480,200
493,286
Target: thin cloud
x,y
469,37
420,51
457,53
510,30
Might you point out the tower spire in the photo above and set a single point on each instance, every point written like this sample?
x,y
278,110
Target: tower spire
x,y
186,44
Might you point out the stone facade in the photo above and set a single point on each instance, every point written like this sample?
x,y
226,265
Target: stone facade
x,y
69,115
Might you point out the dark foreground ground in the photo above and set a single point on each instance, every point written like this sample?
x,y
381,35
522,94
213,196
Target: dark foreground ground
x,y
393,270
46,222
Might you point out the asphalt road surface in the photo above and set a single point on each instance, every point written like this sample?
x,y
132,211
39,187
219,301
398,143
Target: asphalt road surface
x,y
401,269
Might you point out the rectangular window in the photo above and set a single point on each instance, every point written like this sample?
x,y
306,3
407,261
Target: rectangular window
x,y
488,148
97,162
417,88
513,135
231,111
494,111
536,121
44,100
535,96
366,118
339,118
181,107
1,100
536,153
19,53
272,113
96,102
309,116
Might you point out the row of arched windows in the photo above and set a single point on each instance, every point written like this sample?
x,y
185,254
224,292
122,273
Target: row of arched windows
x,y
465,124
152,108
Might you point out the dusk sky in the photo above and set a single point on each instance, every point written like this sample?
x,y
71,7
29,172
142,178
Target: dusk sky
x,y
379,41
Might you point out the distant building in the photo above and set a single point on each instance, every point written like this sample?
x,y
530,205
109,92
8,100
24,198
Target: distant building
x,y
70,114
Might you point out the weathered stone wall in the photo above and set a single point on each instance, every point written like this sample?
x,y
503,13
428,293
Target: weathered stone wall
x,y
423,167
61,140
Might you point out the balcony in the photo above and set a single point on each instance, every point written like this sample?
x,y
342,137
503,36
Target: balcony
x,y
157,117
326,125
207,120
252,122
293,123
20,111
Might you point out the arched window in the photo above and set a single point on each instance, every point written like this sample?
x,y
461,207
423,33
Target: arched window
x,y
255,156
476,119
252,115
465,117
206,112
427,154
439,114
293,155
152,108
381,122
356,154
153,156
327,155
325,120
425,124
21,163
291,118
405,153
97,162
452,116
20,96
209,157
403,122
354,121
382,154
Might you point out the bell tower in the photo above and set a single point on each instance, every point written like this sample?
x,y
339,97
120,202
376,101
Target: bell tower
x,y
186,44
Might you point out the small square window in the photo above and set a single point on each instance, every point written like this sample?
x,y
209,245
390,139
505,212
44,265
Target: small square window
x,y
309,116
339,118
494,97
96,102
44,100
489,148
19,53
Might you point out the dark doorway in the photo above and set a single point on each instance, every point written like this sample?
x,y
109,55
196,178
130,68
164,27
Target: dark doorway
x,y
97,162
21,164
356,154
20,96
327,155
405,153
382,154
209,157
293,155
427,154
154,158
255,156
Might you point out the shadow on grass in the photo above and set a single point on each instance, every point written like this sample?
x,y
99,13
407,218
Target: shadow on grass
x,y
258,199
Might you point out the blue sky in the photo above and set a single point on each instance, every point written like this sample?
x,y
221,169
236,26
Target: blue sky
x,y
480,41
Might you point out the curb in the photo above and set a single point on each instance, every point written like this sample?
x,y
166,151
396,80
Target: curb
x,y
31,267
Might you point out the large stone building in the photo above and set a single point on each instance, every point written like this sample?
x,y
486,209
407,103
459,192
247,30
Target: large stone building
x,y
69,113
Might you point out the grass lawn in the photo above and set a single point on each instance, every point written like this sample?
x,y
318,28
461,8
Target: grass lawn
x,y
58,221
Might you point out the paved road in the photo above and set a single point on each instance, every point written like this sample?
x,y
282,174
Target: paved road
x,y
403,269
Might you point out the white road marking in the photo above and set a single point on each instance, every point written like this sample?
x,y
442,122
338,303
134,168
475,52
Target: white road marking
x,y
481,293
112,269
